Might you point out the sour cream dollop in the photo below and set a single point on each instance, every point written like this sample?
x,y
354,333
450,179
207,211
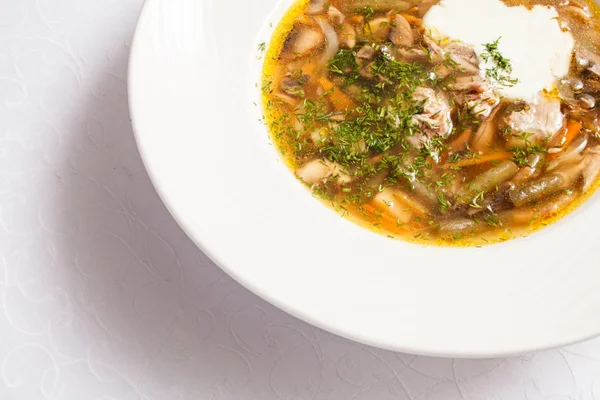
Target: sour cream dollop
x,y
539,50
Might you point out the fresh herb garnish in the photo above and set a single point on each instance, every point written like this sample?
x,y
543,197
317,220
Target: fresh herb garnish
x,y
520,154
500,72
444,203
368,12
262,47
344,64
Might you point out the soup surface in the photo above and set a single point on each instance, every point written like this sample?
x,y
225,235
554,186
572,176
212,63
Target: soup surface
x,y
459,122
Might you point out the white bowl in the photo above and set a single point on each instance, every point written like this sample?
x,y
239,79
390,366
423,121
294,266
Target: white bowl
x,y
193,77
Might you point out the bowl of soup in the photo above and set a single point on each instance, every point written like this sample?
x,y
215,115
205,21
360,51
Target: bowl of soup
x,y
416,175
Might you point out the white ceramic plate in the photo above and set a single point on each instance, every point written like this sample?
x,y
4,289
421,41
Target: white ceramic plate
x,y
193,78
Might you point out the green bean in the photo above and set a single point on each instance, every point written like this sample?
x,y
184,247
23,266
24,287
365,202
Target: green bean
x,y
537,189
530,170
427,195
461,226
527,214
490,180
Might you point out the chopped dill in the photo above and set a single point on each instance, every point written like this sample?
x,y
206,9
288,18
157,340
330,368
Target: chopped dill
x,y
500,72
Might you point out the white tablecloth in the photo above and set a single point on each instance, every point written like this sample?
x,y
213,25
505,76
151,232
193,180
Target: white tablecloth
x,y
104,297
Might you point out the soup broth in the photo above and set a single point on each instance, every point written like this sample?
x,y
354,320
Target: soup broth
x,y
417,135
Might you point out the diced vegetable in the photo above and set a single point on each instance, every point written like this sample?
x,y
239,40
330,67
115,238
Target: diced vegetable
x,y
490,179
338,98
485,159
537,190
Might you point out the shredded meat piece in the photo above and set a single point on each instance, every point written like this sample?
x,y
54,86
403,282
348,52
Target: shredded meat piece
x,y
434,120
436,52
540,119
482,104
465,56
473,83
476,93
459,53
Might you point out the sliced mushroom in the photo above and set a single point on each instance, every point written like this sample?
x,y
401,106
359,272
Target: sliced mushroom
x,y
412,55
336,16
568,89
364,58
347,36
302,41
331,39
366,71
570,85
293,83
592,86
425,6
378,28
586,101
401,33
586,59
366,53
317,7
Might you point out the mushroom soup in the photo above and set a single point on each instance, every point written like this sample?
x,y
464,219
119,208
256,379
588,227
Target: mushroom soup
x,y
453,122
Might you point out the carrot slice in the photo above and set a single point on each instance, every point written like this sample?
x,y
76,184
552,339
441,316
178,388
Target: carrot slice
x,y
469,162
573,129
357,19
385,219
565,139
337,97
460,142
